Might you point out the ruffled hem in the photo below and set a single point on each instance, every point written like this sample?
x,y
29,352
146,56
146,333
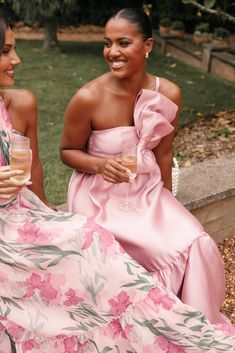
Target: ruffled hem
x,y
141,328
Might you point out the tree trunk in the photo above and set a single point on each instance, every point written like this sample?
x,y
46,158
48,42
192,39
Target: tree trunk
x,y
50,34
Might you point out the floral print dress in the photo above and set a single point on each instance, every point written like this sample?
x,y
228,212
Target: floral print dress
x,y
66,286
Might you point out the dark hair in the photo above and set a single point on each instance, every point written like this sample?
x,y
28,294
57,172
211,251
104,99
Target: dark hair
x,y
4,25
137,16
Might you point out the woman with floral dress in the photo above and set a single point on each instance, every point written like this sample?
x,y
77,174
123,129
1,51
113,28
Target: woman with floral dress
x,y
66,286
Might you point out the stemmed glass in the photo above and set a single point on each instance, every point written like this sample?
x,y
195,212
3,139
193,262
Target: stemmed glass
x,y
20,159
129,160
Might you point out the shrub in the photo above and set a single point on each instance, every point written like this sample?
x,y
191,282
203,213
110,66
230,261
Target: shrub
x,y
177,26
202,27
221,33
165,22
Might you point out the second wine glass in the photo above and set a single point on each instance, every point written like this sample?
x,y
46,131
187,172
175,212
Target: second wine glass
x,y
129,160
20,159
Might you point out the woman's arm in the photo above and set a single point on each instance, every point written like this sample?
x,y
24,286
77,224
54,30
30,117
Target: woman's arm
x,y
23,113
164,151
76,132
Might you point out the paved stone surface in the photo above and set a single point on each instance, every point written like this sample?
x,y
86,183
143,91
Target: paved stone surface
x,y
206,182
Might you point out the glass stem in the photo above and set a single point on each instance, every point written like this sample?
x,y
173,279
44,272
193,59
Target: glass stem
x,y
18,202
127,193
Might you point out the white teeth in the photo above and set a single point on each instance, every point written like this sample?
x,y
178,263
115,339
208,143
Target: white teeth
x,y
10,72
117,64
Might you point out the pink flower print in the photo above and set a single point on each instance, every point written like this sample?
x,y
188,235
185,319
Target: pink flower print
x,y
156,296
15,331
116,329
127,329
33,282
47,290
28,345
88,241
105,236
119,306
73,299
71,345
227,329
30,233
167,346
5,115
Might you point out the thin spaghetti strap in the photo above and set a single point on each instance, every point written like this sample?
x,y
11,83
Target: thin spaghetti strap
x,y
157,83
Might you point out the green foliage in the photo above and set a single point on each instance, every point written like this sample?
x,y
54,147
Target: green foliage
x,y
202,27
165,22
173,9
209,3
177,25
221,33
35,10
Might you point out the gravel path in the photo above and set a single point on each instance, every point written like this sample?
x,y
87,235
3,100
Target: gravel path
x,y
227,250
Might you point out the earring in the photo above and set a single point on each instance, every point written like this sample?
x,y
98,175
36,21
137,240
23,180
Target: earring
x,y
146,55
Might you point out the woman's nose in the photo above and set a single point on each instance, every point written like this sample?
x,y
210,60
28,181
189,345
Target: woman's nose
x,y
15,59
114,50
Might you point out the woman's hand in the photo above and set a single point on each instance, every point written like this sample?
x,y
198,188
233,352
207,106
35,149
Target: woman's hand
x,y
9,188
112,171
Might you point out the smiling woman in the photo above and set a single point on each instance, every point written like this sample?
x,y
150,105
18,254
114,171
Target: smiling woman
x,y
128,104
21,105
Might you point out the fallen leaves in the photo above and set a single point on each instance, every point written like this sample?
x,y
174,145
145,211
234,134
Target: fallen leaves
x,y
212,136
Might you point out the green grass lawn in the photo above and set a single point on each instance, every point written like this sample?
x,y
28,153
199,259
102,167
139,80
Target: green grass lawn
x,y
55,77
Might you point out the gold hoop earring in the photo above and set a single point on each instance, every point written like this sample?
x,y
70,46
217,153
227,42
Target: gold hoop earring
x,y
146,55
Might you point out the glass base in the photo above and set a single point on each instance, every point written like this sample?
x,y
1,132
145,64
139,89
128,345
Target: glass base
x,y
17,216
126,206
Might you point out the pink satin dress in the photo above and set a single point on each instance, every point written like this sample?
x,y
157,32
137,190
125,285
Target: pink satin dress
x,y
159,233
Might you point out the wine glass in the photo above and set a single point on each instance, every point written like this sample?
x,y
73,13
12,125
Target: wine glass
x,y
20,159
129,160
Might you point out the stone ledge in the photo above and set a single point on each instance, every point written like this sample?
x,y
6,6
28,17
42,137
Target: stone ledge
x,y
207,190
206,182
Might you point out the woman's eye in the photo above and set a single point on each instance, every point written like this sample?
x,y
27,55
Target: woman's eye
x,y
107,44
124,44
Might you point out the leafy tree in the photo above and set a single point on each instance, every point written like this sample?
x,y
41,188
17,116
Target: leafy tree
x,y
47,13
221,8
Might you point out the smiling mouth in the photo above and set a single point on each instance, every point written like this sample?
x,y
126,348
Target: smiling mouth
x,y
10,73
117,64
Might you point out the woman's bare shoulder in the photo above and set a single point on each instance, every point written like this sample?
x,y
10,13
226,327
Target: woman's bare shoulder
x,y
91,92
170,89
19,99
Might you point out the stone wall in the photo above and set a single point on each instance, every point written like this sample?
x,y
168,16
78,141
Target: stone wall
x,y
207,189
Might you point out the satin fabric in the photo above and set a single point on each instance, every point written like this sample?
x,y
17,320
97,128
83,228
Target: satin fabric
x,y
160,233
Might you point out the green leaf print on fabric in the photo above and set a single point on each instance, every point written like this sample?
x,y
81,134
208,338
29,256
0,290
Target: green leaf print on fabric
x,y
4,148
